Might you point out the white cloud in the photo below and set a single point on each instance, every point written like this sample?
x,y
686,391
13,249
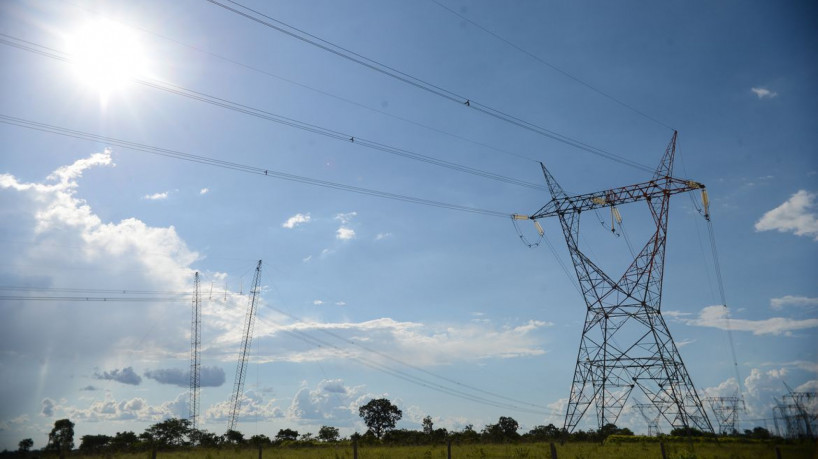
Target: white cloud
x,y
204,191
419,343
208,376
790,300
156,196
345,234
295,220
382,236
764,93
340,303
716,316
135,409
253,407
330,400
796,215
318,302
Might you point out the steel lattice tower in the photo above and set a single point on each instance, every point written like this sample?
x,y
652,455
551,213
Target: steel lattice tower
x,y
195,362
626,343
244,351
726,410
651,416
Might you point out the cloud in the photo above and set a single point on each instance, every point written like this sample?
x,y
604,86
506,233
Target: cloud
x,y
330,400
208,376
134,409
382,236
344,232
796,215
419,343
716,317
89,388
204,191
789,300
124,376
253,407
47,407
295,220
318,302
764,93
156,196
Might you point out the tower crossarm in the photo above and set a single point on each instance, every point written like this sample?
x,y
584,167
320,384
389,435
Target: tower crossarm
x,y
664,186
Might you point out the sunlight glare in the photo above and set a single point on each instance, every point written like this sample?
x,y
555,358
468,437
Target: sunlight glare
x,y
106,56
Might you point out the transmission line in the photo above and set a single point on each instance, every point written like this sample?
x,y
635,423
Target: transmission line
x,y
553,67
384,69
242,167
262,114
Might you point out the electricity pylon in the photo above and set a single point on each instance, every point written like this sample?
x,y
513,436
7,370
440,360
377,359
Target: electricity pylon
x,y
651,416
195,362
244,351
625,341
726,410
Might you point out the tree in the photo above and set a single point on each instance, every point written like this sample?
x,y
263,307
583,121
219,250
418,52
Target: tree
x,y
287,434
327,433
428,425
234,436
94,443
544,433
25,445
61,438
124,441
380,415
170,432
260,440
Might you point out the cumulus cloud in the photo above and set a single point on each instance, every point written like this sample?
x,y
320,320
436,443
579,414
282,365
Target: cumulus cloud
x,y
796,215
330,400
764,93
717,317
89,388
790,300
156,196
382,236
135,409
204,191
124,376
295,220
208,376
254,406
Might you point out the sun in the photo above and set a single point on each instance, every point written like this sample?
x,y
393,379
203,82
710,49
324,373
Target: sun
x,y
106,56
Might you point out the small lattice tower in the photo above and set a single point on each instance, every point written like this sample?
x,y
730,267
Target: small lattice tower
x,y
195,361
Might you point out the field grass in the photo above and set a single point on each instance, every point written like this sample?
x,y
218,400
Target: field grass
x,y
673,450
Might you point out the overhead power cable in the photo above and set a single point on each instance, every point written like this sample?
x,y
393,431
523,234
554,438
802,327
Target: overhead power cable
x,y
275,24
310,88
554,67
241,167
262,114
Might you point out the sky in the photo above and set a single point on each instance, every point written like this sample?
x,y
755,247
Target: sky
x,y
145,142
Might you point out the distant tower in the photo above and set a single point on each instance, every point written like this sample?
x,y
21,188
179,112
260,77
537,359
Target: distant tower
x,y
726,410
625,341
651,416
195,362
244,351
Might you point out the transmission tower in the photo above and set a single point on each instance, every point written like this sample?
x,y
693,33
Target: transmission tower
x,y
244,351
651,416
625,341
726,410
195,362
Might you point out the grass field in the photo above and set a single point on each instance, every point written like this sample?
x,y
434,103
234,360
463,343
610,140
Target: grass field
x,y
673,450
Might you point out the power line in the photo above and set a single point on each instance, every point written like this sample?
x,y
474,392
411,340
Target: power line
x,y
241,167
262,114
553,67
384,69
316,90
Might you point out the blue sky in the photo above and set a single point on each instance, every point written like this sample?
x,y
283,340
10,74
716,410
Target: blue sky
x,y
443,311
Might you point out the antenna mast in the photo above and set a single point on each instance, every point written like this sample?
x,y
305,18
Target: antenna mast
x,y
244,351
195,362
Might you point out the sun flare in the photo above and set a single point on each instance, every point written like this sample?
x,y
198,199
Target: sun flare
x,y
106,56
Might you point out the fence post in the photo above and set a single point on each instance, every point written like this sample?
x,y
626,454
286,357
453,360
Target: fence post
x,y
354,449
777,452
449,449
153,453
662,446
553,451
259,451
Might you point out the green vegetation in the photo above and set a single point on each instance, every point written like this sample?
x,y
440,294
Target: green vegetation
x,y
176,439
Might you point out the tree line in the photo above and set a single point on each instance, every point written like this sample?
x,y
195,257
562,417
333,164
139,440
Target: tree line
x,y
379,415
